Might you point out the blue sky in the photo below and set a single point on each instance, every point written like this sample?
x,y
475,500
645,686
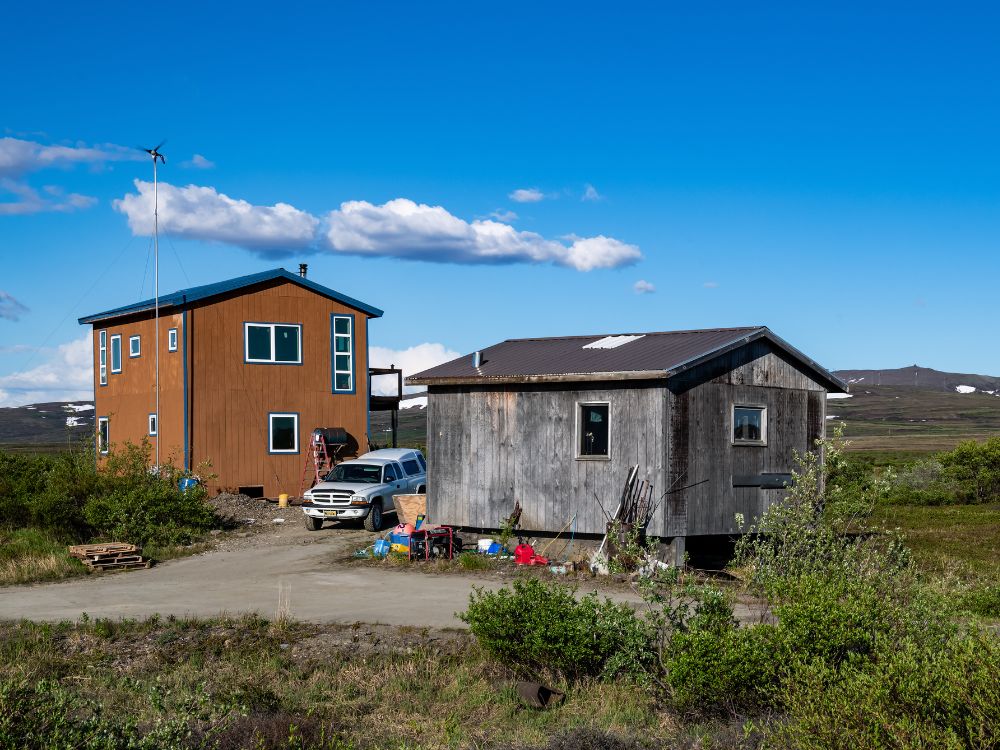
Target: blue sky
x,y
831,172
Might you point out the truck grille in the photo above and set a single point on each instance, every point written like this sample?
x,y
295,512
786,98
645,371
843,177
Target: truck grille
x,y
331,497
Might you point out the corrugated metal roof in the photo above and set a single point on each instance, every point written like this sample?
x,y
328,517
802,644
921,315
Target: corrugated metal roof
x,y
194,294
658,354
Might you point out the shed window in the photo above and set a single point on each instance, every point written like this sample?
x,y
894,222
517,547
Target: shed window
x,y
134,346
172,340
103,356
103,435
749,424
116,353
283,433
593,429
343,353
273,343
152,425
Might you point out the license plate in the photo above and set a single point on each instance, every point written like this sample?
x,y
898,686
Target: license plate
x,y
329,513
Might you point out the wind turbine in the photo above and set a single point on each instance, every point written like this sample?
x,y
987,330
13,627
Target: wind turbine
x,y
155,154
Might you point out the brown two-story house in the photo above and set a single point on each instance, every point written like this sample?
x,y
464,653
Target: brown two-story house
x,y
249,367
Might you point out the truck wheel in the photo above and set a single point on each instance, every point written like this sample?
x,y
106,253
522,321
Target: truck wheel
x,y
373,521
314,524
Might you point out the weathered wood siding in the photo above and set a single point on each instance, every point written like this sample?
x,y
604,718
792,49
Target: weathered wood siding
x,y
229,400
490,446
129,397
703,458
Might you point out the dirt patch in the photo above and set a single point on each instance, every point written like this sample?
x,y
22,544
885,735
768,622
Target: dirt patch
x,y
256,522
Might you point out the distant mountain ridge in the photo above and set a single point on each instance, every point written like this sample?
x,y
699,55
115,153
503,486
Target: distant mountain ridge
x,y
909,401
922,378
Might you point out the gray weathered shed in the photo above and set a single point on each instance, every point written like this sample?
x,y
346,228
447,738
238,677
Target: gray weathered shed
x,y
711,415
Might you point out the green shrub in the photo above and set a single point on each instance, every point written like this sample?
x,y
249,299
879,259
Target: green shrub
x,y
908,696
975,467
538,626
71,500
734,668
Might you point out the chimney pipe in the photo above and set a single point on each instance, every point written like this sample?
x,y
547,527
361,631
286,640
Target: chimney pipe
x,y
303,268
477,359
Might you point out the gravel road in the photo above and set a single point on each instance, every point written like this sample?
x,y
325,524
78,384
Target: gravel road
x,y
288,571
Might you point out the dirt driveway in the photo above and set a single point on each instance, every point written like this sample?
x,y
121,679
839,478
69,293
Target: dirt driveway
x,y
289,571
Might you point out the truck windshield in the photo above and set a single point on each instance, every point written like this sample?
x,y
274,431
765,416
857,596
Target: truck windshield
x,y
363,473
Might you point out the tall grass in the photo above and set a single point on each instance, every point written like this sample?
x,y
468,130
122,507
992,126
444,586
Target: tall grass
x,y
28,555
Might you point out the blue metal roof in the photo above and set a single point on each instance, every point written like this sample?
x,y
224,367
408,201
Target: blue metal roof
x,y
194,294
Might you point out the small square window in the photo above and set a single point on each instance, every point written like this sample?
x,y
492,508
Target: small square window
x,y
152,425
593,430
134,346
283,433
750,425
172,340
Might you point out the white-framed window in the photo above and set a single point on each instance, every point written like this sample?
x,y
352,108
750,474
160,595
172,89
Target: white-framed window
x,y
593,430
172,340
116,353
152,424
103,435
103,356
749,424
283,432
272,343
134,346
342,333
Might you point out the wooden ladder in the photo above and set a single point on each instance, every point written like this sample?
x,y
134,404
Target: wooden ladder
x,y
318,462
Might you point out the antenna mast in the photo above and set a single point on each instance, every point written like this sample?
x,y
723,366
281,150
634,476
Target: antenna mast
x,y
155,154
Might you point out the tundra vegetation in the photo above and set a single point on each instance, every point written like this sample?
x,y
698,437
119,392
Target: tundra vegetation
x,y
860,642
50,501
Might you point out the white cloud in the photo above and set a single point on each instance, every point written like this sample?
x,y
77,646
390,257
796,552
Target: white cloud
x,y
590,193
507,217
411,361
527,195
68,375
711,285
10,308
198,162
18,157
401,228
643,287
203,213
29,201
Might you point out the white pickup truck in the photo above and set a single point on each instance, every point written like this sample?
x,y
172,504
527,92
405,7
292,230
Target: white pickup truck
x,y
363,488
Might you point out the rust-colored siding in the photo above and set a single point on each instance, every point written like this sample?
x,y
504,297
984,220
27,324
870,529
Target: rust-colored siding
x,y
129,398
229,400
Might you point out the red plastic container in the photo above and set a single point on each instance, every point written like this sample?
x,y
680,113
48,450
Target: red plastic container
x,y
523,554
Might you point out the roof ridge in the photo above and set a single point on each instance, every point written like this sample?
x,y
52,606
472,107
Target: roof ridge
x,y
637,333
207,291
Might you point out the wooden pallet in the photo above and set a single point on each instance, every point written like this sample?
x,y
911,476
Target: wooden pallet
x,y
112,556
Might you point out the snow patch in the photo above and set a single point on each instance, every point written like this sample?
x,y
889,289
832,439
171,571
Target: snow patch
x,y
852,381
78,407
965,389
832,416
840,395
414,403
75,422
